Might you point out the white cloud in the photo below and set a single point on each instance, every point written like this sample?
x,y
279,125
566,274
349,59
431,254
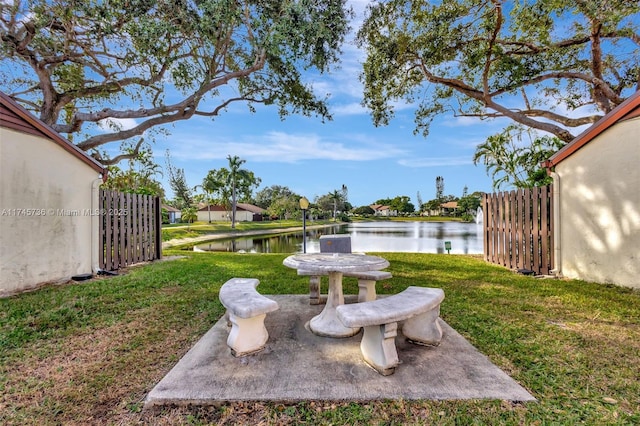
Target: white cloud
x,y
281,147
353,108
117,124
462,122
436,161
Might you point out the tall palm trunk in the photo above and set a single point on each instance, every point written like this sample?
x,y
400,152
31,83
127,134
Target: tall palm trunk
x,y
233,205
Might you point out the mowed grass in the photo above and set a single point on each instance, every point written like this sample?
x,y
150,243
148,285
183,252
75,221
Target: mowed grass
x,y
88,353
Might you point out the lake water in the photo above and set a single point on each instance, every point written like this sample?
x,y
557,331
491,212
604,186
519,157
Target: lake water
x,y
408,237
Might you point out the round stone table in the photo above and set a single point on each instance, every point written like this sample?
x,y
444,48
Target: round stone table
x,y
334,265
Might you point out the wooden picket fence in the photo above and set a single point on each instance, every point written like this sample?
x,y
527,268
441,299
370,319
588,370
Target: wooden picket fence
x,y
518,229
130,229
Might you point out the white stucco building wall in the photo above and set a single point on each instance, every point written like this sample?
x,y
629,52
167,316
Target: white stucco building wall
x,y
47,197
598,222
224,215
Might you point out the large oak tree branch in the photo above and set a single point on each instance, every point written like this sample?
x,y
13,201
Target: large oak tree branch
x,y
91,61
488,102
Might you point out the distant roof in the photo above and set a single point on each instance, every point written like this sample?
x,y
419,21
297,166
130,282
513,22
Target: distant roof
x,y
251,208
379,207
630,108
450,205
15,117
170,208
215,208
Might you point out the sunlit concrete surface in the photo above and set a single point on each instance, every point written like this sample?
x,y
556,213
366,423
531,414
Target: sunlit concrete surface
x,y
298,365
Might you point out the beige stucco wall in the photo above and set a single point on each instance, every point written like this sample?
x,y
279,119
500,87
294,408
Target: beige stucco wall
x,y
600,208
53,240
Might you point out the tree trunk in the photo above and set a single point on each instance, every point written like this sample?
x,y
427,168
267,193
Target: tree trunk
x,y
233,206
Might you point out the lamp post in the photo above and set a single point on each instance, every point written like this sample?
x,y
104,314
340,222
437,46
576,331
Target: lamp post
x,y
304,205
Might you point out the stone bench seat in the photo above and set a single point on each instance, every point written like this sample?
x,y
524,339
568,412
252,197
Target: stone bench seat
x,y
366,283
246,310
418,307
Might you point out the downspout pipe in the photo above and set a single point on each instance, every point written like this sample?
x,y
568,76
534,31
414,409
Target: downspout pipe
x,y
557,226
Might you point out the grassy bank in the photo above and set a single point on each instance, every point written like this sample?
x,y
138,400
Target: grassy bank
x,y
426,219
197,229
88,353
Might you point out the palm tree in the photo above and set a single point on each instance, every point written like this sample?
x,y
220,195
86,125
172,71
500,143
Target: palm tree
x,y
511,160
236,174
336,196
190,215
210,185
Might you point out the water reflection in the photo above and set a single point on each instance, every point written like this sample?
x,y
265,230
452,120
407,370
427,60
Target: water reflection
x,y
408,237
416,237
280,243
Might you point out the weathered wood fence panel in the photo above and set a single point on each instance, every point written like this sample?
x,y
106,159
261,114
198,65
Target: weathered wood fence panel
x,y
518,229
129,229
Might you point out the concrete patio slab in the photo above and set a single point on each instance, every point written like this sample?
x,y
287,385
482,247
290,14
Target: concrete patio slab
x,y
297,365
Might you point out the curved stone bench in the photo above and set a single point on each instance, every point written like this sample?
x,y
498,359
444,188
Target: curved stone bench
x,y
419,307
246,310
366,283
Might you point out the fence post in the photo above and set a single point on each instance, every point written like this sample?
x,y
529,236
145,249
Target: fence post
x,y
158,228
485,225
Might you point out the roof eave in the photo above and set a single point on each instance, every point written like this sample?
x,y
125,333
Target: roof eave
x,y
618,113
53,135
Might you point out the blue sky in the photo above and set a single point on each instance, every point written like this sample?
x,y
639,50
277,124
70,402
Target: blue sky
x,y
313,159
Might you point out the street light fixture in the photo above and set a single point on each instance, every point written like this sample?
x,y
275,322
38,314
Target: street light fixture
x,y
304,205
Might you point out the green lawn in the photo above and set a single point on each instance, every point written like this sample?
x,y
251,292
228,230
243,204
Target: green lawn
x,y
88,353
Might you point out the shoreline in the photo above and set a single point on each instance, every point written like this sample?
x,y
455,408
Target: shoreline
x,y
177,242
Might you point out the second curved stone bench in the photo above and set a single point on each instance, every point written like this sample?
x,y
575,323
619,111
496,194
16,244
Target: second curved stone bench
x,y
419,307
247,310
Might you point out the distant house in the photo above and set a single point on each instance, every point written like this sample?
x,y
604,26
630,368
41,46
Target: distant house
x,y
173,213
244,213
596,181
385,211
449,208
445,209
258,212
48,200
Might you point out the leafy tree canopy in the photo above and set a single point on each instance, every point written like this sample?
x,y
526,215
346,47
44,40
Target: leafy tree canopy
x,y
363,210
334,201
469,204
178,182
285,207
401,204
274,194
83,64
536,62
219,184
138,178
